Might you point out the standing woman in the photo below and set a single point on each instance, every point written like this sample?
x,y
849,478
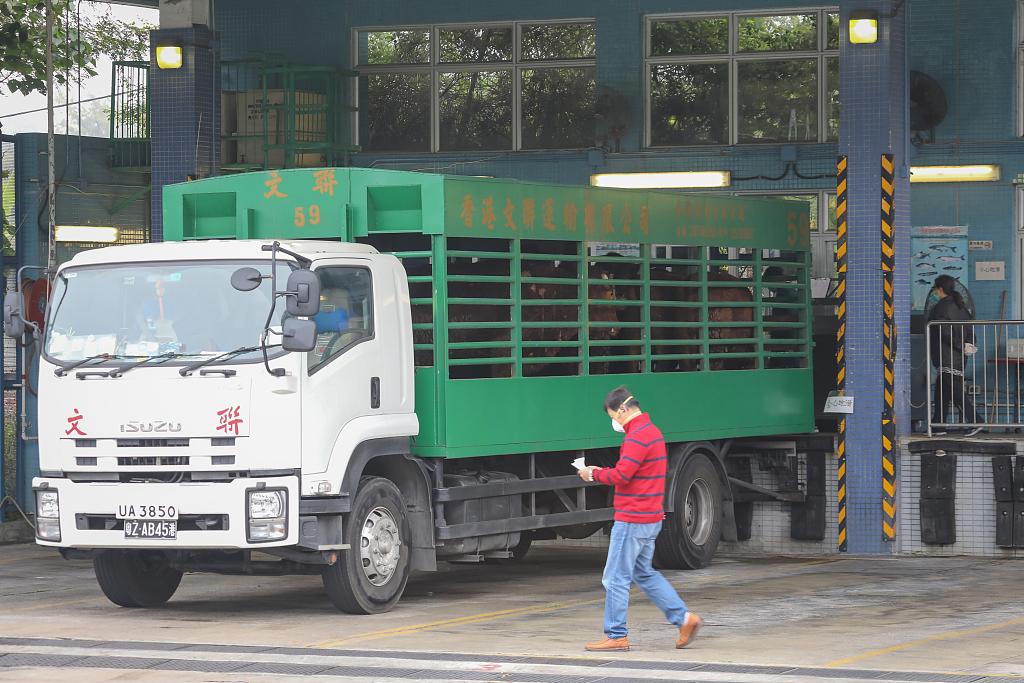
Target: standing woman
x,y
950,345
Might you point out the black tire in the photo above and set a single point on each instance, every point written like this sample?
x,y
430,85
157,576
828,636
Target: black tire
x,y
698,499
351,588
136,578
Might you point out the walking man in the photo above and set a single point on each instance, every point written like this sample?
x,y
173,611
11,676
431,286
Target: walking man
x,y
639,481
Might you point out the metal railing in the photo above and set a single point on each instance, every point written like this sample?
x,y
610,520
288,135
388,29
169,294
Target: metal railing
x,y
129,115
975,369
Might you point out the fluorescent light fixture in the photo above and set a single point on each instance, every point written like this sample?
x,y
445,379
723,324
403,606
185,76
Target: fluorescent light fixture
x,y
980,173
86,233
663,180
863,27
168,56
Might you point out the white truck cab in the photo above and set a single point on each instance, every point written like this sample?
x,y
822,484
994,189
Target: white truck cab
x,y
165,422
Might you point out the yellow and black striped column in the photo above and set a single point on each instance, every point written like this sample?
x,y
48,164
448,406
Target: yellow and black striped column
x,y
841,337
888,347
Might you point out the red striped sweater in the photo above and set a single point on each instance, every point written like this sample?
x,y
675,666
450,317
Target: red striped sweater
x,y
639,476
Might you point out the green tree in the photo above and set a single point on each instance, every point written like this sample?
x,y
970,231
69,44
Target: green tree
x,y
78,43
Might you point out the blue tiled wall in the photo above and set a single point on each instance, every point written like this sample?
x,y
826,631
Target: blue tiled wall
x,y
184,114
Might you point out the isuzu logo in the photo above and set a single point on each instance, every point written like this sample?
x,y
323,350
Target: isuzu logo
x,y
156,426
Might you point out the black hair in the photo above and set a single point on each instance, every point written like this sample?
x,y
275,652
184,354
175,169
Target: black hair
x,y
619,398
947,283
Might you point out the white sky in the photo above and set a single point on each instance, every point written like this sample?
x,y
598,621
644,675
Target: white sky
x,y
99,85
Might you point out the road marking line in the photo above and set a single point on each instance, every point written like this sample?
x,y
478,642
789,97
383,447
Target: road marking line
x,y
51,605
939,637
457,621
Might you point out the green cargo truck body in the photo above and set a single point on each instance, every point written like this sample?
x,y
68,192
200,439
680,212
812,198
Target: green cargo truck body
x,y
731,390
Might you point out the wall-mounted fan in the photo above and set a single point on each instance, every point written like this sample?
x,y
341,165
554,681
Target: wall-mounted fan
x,y
928,105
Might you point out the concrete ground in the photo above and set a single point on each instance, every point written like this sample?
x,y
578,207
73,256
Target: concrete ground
x,y
779,619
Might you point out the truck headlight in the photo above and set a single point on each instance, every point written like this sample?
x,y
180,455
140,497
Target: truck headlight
x,y
267,513
48,515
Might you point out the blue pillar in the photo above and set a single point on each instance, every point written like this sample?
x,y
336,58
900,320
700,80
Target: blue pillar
x,y
185,117
873,87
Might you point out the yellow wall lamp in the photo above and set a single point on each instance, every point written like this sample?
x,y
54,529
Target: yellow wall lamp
x,y
863,27
169,56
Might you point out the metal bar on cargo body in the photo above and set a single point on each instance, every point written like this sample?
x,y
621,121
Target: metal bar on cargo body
x,y
675,262
482,325
516,267
552,344
504,279
439,271
462,346
466,301
550,281
552,302
556,325
489,255
490,360
505,526
509,488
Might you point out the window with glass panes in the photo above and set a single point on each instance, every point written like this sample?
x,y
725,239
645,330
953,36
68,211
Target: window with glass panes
x,y
730,78
515,86
822,226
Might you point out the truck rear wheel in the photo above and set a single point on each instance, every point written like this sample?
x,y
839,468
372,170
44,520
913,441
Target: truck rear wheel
x,y
369,577
690,534
136,578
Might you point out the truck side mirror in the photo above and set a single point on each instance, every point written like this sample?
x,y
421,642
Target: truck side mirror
x,y
298,335
303,295
246,279
14,321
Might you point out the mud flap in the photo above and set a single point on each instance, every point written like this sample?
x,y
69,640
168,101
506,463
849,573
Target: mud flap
x,y
807,519
938,499
1004,525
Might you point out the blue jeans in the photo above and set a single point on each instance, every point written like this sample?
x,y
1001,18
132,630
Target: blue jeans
x,y
629,562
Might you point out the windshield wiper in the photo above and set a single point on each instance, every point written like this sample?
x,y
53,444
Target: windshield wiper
x,y
61,371
117,372
189,369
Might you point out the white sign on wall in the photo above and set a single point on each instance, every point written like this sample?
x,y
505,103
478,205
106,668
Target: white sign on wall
x,y
990,270
980,245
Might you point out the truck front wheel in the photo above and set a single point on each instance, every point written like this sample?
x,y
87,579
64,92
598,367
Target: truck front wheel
x,y
370,576
135,578
690,534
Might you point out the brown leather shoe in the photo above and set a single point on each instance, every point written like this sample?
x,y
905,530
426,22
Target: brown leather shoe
x,y
608,645
688,631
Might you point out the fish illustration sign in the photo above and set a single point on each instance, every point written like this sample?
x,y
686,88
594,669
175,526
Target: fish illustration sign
x,y
936,250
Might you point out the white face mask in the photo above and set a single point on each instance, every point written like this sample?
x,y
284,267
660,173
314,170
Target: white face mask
x,y
617,427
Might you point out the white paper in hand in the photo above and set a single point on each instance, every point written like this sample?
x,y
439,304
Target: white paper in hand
x,y
579,463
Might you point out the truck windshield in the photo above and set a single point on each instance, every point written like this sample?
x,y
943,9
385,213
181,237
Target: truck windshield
x,y
142,310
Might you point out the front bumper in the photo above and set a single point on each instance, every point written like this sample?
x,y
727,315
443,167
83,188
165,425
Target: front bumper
x,y
87,508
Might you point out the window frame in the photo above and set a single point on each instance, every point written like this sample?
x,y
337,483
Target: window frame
x,y
311,368
517,65
732,58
